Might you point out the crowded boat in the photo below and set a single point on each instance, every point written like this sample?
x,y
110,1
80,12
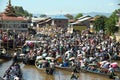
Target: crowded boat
x,y
13,73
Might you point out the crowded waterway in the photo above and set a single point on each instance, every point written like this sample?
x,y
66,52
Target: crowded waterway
x,y
30,72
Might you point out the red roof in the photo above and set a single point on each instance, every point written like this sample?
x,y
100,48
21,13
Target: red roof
x,y
12,18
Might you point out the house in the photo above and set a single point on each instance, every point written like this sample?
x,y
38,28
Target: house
x,y
82,21
59,21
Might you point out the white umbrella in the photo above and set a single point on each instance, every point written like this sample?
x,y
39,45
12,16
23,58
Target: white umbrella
x,y
72,58
58,56
39,57
44,55
51,58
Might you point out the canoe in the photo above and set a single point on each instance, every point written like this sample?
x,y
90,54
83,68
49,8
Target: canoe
x,y
63,68
28,61
94,71
38,66
6,56
18,72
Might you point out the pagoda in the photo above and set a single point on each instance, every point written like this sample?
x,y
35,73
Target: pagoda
x,y
9,11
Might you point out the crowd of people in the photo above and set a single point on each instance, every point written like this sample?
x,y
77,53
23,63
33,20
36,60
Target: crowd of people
x,y
73,49
88,46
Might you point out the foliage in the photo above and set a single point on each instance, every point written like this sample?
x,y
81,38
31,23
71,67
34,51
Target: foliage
x,y
114,15
99,23
111,22
110,27
69,16
43,15
78,15
21,12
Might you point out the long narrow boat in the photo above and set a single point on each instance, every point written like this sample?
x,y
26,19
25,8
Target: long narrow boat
x,y
63,68
95,72
17,73
38,66
6,56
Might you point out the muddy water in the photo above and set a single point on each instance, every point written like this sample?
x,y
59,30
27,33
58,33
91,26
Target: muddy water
x,y
32,73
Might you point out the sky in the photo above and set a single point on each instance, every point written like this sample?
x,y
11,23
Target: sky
x,y
63,6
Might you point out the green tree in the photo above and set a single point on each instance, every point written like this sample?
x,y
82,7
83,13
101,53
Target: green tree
x,y
110,27
78,15
43,15
69,16
114,15
21,12
99,23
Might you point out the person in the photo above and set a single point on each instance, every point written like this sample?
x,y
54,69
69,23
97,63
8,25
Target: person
x,y
73,76
112,74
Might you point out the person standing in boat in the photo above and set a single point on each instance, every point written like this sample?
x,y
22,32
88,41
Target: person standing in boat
x,y
52,66
112,74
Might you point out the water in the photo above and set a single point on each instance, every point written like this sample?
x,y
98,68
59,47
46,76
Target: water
x,y
30,72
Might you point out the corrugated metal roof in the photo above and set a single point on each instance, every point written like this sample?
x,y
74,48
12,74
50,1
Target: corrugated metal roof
x,y
59,17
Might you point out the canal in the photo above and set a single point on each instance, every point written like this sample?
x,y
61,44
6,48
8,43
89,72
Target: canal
x,y
30,72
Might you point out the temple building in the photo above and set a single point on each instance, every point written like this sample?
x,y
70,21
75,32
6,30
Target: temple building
x,y
10,21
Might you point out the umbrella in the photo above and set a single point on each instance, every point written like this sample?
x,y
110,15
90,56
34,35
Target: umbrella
x,y
58,56
39,57
51,58
72,58
41,61
93,64
44,55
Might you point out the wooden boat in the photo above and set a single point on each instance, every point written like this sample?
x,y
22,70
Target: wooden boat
x,y
94,71
18,72
47,69
70,68
4,55
38,66
63,68
29,61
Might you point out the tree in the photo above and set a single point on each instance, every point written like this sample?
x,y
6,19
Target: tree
x,y
43,15
69,16
78,15
21,12
99,23
110,27
114,15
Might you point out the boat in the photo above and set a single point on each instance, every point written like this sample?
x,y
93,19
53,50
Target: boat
x,y
4,55
29,61
38,65
43,65
17,72
63,68
70,69
95,71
